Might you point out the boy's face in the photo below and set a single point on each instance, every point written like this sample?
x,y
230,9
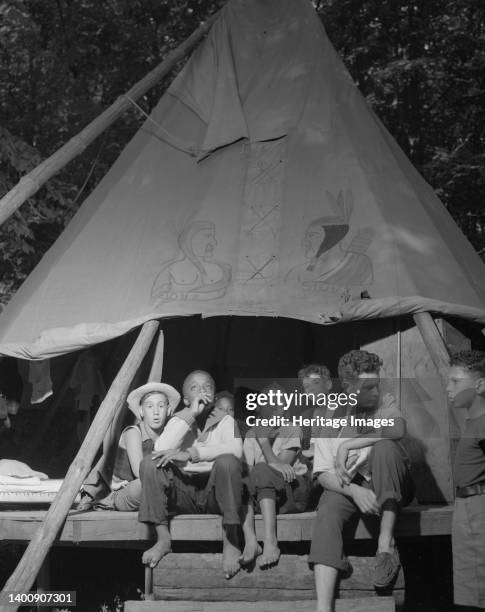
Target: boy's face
x,y
462,386
367,388
315,384
224,406
154,410
196,384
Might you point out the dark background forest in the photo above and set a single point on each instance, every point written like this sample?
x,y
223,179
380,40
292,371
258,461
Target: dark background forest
x,y
420,64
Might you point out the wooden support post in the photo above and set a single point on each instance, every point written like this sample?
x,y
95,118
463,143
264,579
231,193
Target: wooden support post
x,y
44,578
24,575
434,343
148,595
157,365
33,181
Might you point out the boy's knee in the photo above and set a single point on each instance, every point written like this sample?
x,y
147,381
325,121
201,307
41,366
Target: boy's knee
x,y
227,463
386,449
260,470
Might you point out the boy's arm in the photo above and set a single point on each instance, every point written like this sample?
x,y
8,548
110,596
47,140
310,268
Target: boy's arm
x,y
230,444
133,443
395,432
365,499
172,437
282,462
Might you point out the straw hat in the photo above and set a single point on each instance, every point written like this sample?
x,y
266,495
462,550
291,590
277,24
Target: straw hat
x,y
135,397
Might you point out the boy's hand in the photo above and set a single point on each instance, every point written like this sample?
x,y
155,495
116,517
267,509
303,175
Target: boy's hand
x,y
199,402
285,469
341,471
162,458
365,500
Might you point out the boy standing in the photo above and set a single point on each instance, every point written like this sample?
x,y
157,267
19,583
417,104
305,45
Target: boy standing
x,y
360,472
466,389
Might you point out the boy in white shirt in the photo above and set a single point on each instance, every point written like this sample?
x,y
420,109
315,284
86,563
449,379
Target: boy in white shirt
x,y
359,471
196,469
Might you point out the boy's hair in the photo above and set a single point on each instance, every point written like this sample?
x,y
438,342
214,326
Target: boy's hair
x,y
197,372
473,361
313,368
354,363
147,395
224,395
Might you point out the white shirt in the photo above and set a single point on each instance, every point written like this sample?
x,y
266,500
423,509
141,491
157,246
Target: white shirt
x,y
326,447
220,438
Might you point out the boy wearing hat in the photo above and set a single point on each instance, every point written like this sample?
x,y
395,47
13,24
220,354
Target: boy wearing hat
x,y
152,404
196,469
466,390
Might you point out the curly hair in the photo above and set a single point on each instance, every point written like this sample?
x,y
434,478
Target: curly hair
x,y
473,361
313,368
354,363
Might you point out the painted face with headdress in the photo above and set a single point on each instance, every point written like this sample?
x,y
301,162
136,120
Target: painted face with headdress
x,y
198,241
325,232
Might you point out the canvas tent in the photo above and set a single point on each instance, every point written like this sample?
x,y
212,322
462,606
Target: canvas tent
x,y
262,185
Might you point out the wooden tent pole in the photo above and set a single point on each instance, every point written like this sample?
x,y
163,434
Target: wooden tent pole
x,y
33,181
434,343
26,571
157,364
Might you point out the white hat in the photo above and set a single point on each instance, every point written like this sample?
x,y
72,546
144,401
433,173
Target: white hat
x,y
135,397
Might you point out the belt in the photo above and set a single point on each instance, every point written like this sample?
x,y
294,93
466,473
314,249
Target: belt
x,y
476,489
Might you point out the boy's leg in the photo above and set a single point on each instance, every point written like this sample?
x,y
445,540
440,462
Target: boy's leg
x,y
267,484
468,546
223,495
161,488
154,508
128,498
252,549
327,549
393,486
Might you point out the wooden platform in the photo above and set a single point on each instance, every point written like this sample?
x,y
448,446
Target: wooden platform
x,y
382,604
108,528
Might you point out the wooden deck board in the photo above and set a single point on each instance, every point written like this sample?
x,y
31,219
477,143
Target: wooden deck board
x,y
105,527
381,604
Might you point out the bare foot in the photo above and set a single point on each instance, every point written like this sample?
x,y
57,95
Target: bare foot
x,y
271,555
153,555
230,559
252,549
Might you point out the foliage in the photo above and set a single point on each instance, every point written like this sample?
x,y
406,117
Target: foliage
x,y
421,65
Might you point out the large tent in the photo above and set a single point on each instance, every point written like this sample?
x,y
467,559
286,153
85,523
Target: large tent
x,y
261,184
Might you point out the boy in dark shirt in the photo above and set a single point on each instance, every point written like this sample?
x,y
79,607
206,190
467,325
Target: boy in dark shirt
x,y
466,389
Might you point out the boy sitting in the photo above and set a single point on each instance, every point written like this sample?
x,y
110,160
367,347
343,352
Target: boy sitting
x,y
195,470
277,479
364,472
466,389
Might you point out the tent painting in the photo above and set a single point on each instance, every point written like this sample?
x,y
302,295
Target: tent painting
x,y
263,185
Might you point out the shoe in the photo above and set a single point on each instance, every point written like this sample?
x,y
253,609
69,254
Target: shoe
x,y
386,569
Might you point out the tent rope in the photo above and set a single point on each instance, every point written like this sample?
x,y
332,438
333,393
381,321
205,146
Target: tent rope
x,y
166,136
91,170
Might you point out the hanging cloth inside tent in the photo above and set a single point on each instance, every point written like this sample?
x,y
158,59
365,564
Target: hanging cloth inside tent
x,y
37,383
86,381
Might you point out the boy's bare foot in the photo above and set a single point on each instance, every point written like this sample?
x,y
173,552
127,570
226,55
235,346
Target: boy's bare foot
x,y
230,559
153,555
271,555
252,549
